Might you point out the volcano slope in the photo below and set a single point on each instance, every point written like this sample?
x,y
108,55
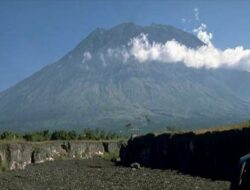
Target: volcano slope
x,y
95,86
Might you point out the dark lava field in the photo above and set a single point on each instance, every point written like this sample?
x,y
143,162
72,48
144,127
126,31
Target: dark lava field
x,y
96,174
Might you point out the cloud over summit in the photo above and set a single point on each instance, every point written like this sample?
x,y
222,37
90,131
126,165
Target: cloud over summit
x,y
206,56
141,49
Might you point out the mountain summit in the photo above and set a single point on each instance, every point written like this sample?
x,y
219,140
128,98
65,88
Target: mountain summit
x,y
97,85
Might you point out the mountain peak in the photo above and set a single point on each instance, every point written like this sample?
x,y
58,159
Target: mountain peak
x,y
126,24
121,34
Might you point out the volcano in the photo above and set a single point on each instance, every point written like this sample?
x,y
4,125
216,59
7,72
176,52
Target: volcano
x,y
90,88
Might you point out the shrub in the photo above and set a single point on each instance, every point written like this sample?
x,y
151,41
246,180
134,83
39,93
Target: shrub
x,y
72,135
3,165
37,136
88,134
111,156
7,135
59,135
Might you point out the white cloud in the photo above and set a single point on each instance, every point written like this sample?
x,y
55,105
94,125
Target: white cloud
x,y
125,55
173,52
203,35
103,60
119,53
206,56
183,20
86,56
196,14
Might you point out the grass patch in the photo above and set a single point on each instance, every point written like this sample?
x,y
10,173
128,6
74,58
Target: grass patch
x,y
4,166
222,128
111,156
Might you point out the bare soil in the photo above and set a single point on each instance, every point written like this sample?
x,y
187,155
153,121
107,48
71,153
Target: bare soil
x,y
96,174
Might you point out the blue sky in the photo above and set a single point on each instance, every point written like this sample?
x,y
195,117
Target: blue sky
x,y
36,33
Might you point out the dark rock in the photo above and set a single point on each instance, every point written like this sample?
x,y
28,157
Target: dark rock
x,y
211,155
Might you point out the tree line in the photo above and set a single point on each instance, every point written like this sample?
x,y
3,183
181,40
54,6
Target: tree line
x,y
46,135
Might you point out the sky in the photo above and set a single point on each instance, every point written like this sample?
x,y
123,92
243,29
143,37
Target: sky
x,y
35,33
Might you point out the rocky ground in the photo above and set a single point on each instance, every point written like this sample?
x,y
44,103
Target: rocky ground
x,y
96,174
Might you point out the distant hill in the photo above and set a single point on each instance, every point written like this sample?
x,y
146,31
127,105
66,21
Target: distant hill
x,y
88,88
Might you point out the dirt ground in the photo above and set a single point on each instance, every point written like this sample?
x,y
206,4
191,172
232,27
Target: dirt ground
x,y
96,174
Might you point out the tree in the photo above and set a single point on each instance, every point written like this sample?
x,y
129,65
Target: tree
x,y
72,135
7,135
59,135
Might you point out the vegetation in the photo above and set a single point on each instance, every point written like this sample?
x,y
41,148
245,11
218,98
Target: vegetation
x,y
238,126
87,134
37,136
174,129
111,156
97,134
63,135
3,166
7,135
